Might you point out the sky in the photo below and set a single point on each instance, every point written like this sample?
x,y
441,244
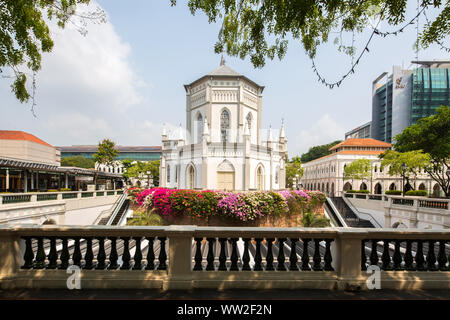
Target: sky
x,y
124,79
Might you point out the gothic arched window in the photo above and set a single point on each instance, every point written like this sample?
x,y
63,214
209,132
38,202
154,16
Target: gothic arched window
x,y
224,125
168,173
199,127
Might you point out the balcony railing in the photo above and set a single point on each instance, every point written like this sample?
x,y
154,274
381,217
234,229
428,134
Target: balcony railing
x,y
186,257
49,196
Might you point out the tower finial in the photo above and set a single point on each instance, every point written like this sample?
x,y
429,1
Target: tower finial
x,y
222,61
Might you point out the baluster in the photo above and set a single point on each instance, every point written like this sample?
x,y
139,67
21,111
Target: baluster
x,y
234,255
374,253
76,256
419,256
210,256
305,256
293,256
317,259
28,256
40,255
258,258
113,256
101,255
126,257
52,255
64,257
431,256
281,258
246,256
408,256
138,254
222,255
385,257
442,258
89,255
198,255
328,258
150,254
162,254
269,257
363,255
397,256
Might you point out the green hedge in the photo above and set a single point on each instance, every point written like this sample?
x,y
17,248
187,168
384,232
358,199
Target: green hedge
x,y
357,191
418,193
393,192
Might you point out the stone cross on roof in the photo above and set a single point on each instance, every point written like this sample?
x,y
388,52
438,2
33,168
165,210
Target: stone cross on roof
x,y
222,61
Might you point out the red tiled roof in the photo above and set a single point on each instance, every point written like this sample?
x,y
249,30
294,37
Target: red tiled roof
x,y
20,135
368,142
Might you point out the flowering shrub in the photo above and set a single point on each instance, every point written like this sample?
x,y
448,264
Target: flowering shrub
x,y
241,206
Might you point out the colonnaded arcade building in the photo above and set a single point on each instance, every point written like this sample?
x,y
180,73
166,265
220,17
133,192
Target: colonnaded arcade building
x,y
223,148
327,173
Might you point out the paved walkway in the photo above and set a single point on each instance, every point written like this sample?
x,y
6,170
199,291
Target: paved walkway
x,y
223,295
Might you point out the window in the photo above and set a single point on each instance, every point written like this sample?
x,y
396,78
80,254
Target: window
x,y
168,174
224,125
199,127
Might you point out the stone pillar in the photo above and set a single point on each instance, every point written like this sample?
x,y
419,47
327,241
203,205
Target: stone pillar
x,y
37,180
32,179
7,179
25,181
66,182
11,258
346,252
179,275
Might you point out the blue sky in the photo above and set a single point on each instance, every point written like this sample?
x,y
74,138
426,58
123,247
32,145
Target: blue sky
x,y
125,78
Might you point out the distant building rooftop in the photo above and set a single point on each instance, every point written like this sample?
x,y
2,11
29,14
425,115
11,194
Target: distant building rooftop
x,y
21,135
368,142
94,148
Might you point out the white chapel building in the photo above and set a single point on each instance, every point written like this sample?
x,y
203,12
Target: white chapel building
x,y
222,147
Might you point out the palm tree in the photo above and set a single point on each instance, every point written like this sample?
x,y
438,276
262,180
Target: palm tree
x,y
313,220
145,218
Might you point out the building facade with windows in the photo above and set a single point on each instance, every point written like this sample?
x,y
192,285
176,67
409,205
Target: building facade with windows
x,y
326,174
222,147
361,132
405,96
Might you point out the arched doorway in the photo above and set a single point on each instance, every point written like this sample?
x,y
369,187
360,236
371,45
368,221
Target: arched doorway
x,y
225,176
378,189
347,186
436,190
332,189
422,186
190,181
392,186
260,178
363,186
327,188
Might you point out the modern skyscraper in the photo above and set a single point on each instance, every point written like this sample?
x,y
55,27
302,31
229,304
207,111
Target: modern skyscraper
x,y
407,96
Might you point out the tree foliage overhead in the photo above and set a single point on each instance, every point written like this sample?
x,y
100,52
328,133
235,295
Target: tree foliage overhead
x,y
260,28
431,135
25,35
318,151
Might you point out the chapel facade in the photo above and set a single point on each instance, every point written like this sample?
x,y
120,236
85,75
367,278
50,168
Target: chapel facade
x,y
222,147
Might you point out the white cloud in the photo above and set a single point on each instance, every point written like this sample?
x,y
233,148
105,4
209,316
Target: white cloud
x,y
324,130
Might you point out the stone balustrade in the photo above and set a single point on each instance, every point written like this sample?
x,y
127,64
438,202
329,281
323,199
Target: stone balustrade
x,y
14,198
187,257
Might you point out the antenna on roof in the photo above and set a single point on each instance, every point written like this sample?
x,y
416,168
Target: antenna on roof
x,y
222,61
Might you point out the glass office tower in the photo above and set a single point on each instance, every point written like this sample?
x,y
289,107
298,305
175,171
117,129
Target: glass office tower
x,y
407,96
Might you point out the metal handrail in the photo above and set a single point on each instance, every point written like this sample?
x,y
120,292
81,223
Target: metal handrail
x,y
117,207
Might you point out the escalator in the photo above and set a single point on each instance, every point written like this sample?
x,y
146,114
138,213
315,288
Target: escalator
x,y
348,215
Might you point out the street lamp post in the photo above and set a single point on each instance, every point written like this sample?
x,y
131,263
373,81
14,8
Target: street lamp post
x,y
403,178
297,180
